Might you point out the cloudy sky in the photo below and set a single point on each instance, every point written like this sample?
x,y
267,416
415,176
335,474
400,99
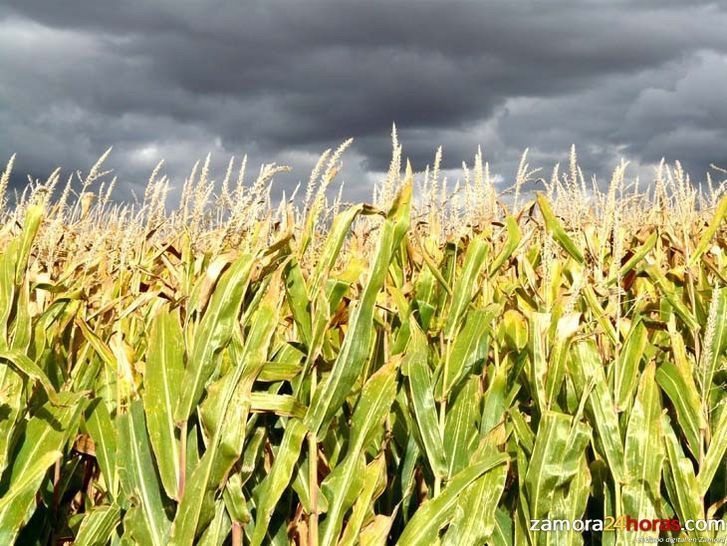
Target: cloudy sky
x,y
284,80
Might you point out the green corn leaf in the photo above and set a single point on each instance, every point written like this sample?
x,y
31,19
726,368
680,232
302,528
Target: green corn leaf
x,y
644,451
521,517
326,302
603,320
27,367
555,228
717,220
416,368
229,423
377,532
672,297
465,286
359,337
102,431
213,333
250,458
586,369
279,404
332,247
512,330
715,339
279,371
514,236
272,487
7,289
715,453
558,449
681,483
43,440
407,469
539,324
525,436
569,504
218,529
566,328
502,532
627,369
148,520
298,299
372,407
12,385
424,527
470,345
474,519
235,502
98,526
33,219
425,281
162,385
101,348
460,428
22,328
374,480
494,406
21,487
681,391
638,255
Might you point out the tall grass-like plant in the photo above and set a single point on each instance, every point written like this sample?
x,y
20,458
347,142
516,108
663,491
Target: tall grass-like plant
x,y
439,367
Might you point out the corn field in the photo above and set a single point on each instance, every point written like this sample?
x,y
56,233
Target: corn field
x,y
443,366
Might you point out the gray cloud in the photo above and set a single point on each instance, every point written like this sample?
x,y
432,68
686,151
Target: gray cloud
x,y
284,80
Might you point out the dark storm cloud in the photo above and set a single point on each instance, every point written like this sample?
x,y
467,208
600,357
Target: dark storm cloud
x,y
284,80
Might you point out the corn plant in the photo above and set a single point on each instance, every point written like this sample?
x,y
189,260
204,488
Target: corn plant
x,y
439,367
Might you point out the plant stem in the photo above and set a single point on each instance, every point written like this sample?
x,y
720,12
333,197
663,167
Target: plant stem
x,y
313,474
236,533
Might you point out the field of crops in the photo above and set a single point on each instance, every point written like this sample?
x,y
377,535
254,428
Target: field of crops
x,y
441,366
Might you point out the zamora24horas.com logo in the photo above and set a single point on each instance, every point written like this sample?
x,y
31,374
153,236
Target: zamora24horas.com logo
x,y
630,524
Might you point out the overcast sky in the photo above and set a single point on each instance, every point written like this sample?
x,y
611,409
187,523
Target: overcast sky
x,y
282,81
